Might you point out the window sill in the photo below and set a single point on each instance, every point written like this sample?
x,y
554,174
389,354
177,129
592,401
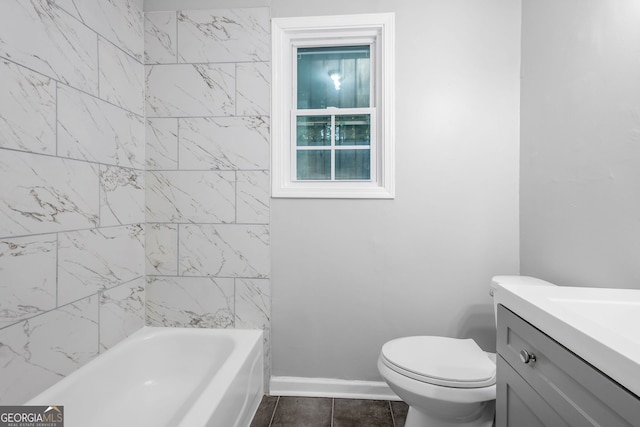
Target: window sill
x,y
356,190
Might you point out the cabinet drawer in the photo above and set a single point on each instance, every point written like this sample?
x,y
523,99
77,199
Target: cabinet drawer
x,y
579,393
520,405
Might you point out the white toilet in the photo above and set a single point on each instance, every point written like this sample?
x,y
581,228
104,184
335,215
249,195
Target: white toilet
x,y
445,381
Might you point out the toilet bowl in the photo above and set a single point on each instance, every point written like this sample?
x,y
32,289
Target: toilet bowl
x,y
445,381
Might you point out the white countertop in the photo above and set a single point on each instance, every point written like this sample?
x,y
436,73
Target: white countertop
x,y
600,325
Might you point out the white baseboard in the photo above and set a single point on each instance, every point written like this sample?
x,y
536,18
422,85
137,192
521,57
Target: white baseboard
x,y
327,387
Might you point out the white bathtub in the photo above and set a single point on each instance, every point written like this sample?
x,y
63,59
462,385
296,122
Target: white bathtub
x,y
174,377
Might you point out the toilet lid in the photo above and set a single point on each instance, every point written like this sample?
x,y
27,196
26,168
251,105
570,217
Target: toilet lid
x,y
443,361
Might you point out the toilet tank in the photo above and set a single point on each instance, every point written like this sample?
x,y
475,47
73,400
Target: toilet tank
x,y
513,280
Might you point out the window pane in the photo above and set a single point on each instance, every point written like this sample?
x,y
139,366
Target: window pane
x,y
353,130
313,164
337,76
353,164
313,130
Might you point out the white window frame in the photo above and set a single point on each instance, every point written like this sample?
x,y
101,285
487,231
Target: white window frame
x,y
288,34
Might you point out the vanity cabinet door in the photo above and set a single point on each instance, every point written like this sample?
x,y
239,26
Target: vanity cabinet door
x,y
518,405
577,392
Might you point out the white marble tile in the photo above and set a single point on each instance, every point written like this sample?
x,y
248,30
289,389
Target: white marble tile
x,y
93,260
119,21
121,78
200,302
180,90
224,143
28,284
253,89
224,35
253,303
190,196
227,250
42,37
162,144
253,197
121,196
121,312
43,194
38,352
160,37
162,249
253,311
27,110
94,130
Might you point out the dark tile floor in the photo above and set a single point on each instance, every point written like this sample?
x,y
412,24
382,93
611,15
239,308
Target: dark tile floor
x,y
283,411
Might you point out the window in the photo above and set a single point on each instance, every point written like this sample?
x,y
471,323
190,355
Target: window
x,y
332,112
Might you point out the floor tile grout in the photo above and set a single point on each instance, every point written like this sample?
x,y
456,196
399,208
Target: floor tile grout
x,y
393,418
333,403
273,414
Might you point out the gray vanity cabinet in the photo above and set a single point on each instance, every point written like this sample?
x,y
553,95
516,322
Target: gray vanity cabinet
x,y
542,383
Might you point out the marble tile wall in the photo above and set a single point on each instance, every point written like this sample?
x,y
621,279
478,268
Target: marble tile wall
x,y
207,193
72,210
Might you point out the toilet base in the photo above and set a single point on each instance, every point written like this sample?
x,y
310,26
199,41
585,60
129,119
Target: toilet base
x,y
417,418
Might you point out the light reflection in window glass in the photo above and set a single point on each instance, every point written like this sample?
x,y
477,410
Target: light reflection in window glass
x,y
334,76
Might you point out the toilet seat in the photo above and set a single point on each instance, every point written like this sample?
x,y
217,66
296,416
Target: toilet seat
x,y
449,362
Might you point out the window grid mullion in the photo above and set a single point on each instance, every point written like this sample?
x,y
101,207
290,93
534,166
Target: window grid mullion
x,y
337,147
333,147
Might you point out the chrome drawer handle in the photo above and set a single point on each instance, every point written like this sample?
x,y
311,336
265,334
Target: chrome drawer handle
x,y
527,357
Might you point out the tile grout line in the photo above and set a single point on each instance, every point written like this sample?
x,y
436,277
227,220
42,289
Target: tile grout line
x,y
393,418
57,269
56,123
273,415
333,403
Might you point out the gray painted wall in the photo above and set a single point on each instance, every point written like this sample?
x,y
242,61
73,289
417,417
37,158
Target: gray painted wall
x,y
348,275
580,142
